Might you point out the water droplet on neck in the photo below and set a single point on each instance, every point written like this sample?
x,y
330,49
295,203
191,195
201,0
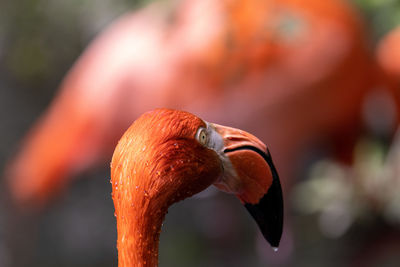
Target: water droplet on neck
x,y
275,249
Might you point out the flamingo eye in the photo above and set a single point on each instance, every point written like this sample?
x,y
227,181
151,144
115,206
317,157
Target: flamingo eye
x,y
202,136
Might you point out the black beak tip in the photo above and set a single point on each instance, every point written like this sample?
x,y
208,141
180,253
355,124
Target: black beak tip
x,y
268,212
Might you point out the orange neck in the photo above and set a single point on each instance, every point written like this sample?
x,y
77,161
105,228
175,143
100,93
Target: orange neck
x,y
139,228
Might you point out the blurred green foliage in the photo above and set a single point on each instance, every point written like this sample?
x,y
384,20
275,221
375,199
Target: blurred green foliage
x,y
380,15
41,39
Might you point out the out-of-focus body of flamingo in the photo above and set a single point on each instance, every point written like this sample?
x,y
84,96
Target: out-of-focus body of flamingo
x,y
388,52
387,75
388,57
169,155
289,71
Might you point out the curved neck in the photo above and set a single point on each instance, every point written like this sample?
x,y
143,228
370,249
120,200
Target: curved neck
x,y
145,183
139,228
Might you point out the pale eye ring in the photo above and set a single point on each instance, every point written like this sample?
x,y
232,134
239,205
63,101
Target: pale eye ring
x,y
202,136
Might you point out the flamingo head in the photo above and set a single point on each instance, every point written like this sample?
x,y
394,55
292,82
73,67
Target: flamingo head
x,y
168,155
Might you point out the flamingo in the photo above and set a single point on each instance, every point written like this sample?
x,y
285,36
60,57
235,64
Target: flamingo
x,y
168,155
388,52
387,69
240,62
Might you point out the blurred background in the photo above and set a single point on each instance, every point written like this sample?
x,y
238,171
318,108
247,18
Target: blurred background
x,y
317,81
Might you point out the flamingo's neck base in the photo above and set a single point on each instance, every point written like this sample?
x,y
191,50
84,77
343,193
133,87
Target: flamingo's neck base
x,y
138,237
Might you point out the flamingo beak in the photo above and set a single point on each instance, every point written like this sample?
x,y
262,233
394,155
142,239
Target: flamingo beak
x,y
250,174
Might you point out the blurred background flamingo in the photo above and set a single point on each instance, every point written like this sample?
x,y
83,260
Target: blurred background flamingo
x,y
252,64
300,75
